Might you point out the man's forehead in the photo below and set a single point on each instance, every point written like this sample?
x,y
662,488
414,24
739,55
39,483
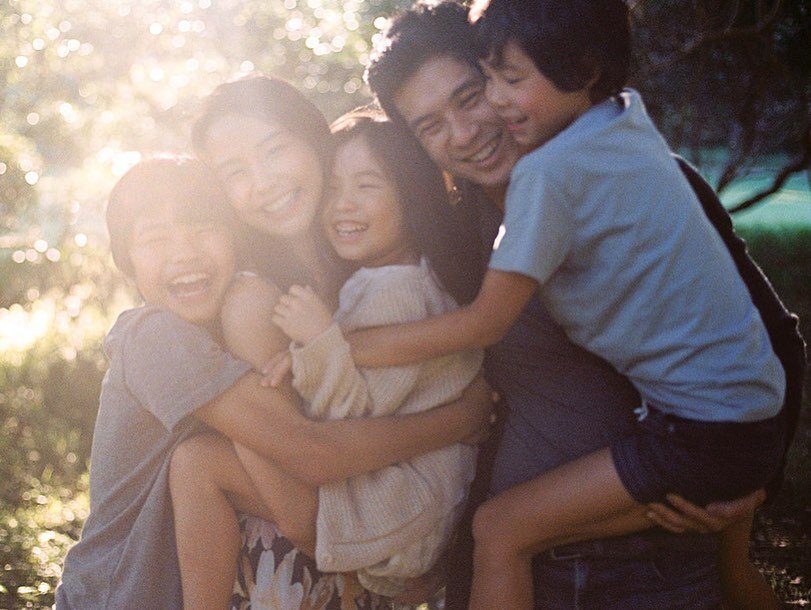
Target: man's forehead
x,y
434,85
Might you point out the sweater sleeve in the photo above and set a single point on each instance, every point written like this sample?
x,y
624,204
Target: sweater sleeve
x,y
326,376
396,520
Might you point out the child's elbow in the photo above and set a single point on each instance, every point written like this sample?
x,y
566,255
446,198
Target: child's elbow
x,y
490,336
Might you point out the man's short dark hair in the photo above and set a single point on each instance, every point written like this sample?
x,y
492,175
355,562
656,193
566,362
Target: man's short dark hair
x,y
569,41
414,37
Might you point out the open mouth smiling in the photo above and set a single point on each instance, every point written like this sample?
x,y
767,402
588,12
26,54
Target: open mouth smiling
x,y
189,284
348,229
485,152
281,204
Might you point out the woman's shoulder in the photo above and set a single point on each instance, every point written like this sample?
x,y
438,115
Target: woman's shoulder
x,y
250,285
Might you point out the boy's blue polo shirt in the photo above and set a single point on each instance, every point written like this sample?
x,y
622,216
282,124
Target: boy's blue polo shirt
x,y
631,268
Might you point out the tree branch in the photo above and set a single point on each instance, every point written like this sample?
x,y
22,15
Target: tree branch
x,y
728,32
803,162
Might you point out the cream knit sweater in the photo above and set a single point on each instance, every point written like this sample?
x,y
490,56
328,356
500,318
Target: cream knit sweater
x,y
391,524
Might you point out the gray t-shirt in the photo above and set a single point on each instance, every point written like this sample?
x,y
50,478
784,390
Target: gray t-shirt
x,y
631,268
161,370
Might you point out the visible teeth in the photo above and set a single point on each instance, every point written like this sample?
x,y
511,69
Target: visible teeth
x,y
281,203
344,229
484,152
190,278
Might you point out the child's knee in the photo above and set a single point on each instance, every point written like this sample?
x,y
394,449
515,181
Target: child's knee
x,y
487,523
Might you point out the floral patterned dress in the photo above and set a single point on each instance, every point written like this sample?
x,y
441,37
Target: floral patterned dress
x,y
273,575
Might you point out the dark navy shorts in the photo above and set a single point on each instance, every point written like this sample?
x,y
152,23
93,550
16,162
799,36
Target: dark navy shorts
x,y
701,461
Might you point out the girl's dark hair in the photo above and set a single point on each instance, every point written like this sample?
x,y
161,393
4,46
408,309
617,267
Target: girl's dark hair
x,y
431,219
181,182
272,99
569,41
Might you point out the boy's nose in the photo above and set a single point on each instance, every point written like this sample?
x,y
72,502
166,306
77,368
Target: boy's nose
x,y
494,94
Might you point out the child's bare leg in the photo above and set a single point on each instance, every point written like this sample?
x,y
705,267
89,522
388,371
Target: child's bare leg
x,y
208,486
742,585
294,509
582,500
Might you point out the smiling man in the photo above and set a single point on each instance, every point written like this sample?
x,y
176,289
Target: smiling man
x,y
443,105
563,402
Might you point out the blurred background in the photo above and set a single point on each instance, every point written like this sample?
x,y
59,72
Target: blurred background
x,y
89,86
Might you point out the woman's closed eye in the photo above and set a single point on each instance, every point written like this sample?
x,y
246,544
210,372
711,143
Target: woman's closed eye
x,y
233,174
369,185
206,229
271,151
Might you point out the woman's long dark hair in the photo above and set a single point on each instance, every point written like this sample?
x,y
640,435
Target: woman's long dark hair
x,y
273,100
441,232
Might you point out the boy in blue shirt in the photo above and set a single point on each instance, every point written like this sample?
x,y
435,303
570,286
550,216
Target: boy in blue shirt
x,y
600,219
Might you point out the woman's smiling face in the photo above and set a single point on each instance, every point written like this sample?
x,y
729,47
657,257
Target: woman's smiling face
x,y
273,179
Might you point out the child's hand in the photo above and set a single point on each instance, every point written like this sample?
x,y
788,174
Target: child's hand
x,y
301,314
477,402
276,369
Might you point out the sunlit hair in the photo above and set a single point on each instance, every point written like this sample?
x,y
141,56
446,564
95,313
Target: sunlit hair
x,y
271,99
420,187
570,42
266,98
413,37
180,182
